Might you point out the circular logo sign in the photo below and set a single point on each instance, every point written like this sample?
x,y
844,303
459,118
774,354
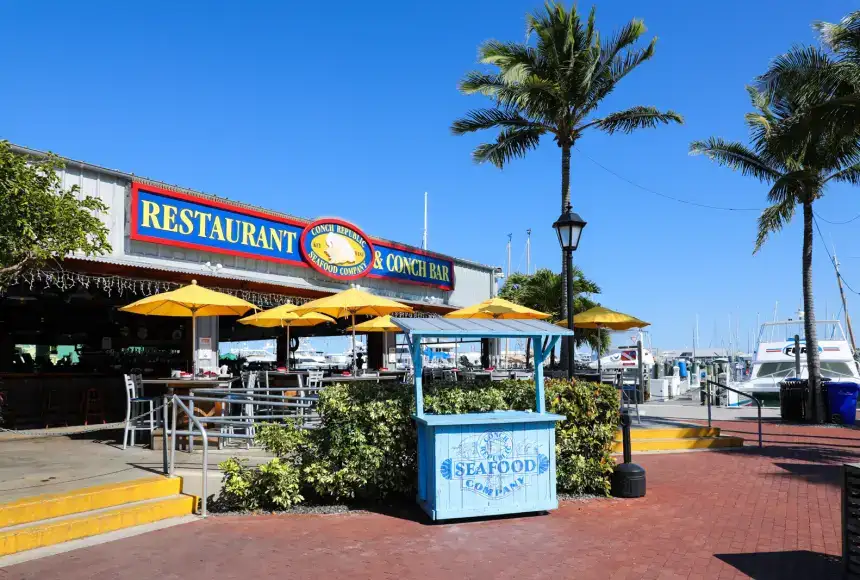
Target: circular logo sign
x,y
337,249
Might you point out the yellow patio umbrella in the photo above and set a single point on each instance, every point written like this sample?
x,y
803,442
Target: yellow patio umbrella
x,y
193,301
351,302
378,324
285,316
600,317
498,308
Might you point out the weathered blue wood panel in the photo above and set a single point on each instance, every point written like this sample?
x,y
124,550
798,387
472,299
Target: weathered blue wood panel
x,y
483,467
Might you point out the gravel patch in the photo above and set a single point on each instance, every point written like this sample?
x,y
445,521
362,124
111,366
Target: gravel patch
x,y
578,496
329,509
296,510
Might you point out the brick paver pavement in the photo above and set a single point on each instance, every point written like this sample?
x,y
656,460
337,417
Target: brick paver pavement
x,y
719,514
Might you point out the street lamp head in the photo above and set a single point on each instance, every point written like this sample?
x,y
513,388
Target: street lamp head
x,y
569,226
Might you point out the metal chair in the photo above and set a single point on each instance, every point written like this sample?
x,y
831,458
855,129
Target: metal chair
x,y
314,379
136,405
245,407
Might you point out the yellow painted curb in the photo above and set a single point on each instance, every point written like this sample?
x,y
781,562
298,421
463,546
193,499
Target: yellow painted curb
x,y
47,534
670,433
43,507
686,443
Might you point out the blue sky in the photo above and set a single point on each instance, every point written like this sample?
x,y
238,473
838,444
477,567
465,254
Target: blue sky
x,y
346,111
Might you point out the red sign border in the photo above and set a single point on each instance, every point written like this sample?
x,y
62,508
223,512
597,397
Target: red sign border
x,y
134,234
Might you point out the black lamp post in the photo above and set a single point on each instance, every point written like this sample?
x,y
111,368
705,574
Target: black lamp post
x,y
569,227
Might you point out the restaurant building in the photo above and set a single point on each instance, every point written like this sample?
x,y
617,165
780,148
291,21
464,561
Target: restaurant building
x,y
62,335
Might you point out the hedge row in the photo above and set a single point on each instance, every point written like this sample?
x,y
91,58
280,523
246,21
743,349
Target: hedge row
x,y
365,448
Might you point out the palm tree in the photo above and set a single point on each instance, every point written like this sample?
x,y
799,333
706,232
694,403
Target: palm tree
x,y
553,87
543,291
796,178
825,84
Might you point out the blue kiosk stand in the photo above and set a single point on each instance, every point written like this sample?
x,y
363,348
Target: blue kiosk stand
x,y
485,464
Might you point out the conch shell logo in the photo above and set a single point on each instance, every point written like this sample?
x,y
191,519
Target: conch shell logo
x,y
339,250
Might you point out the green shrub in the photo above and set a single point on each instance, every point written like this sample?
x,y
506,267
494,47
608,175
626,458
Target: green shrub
x,y
582,441
366,446
275,485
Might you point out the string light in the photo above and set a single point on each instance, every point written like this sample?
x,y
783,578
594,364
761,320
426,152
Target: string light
x,y
65,280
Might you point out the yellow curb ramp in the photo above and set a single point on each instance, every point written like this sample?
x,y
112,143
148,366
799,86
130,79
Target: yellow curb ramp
x,y
680,443
670,433
63,529
43,507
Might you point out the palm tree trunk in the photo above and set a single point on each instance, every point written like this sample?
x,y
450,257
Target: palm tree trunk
x,y
565,200
528,351
813,363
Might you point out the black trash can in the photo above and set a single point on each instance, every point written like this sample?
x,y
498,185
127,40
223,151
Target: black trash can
x,y
792,394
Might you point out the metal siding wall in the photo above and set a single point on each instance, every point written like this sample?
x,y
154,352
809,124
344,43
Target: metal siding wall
x,y
109,189
472,284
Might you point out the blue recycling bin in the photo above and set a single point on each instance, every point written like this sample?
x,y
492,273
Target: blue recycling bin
x,y
842,397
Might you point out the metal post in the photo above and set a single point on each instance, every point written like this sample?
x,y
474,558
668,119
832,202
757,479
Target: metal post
x,y
570,339
173,442
708,397
164,411
759,423
641,378
797,355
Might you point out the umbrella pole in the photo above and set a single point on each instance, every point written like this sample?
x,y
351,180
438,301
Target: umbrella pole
x,y
354,370
288,348
194,343
599,353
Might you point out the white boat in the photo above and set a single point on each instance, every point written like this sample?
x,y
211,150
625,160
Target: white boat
x,y
623,358
306,358
774,359
257,355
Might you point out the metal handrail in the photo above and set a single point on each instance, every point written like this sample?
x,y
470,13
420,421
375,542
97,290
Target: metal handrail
x,y
708,394
177,402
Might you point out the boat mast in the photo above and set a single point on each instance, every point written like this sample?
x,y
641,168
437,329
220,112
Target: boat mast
x,y
424,238
844,304
528,252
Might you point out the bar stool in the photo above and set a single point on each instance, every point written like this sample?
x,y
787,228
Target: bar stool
x,y
136,409
92,406
54,409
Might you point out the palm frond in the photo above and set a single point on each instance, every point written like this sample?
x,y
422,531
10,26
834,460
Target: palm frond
x,y
635,118
848,175
623,39
510,57
802,76
511,143
481,83
842,37
793,187
771,220
480,119
737,157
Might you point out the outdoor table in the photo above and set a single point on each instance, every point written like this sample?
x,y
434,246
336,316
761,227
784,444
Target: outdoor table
x,y
172,384
484,464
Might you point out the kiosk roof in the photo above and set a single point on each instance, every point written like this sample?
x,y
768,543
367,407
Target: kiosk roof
x,y
475,327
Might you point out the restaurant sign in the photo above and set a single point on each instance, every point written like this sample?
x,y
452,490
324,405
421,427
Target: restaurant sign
x,y
330,246
336,248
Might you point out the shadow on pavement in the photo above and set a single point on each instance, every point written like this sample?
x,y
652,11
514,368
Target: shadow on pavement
x,y
812,472
799,564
